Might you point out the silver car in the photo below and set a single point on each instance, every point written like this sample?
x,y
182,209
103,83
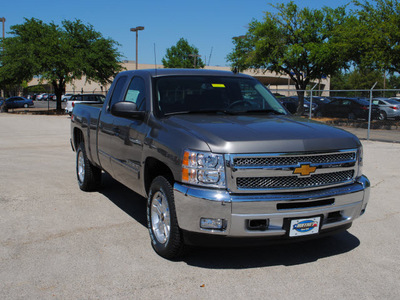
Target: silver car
x,y
388,108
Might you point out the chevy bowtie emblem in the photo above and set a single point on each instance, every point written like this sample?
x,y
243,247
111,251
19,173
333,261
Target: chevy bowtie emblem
x,y
304,170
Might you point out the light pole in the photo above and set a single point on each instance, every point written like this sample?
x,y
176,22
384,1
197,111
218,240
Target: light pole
x,y
136,29
3,20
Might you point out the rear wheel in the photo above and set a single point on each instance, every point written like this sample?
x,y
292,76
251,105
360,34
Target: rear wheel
x,y
165,234
26,105
88,175
382,115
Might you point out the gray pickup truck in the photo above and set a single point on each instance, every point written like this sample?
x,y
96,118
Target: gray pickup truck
x,y
219,159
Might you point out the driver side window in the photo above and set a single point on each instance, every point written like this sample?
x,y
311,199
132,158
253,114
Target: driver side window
x,y
137,93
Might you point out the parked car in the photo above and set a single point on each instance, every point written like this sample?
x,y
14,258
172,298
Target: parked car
x,y
219,160
17,102
66,97
52,97
45,97
388,108
42,96
351,108
83,98
292,102
318,100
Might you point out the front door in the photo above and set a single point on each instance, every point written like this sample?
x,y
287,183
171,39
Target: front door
x,y
128,139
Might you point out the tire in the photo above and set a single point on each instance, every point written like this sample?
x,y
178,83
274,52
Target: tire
x,y
351,116
382,115
89,176
26,105
165,234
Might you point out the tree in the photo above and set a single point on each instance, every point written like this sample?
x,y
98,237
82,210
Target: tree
x,y
302,43
58,54
358,79
375,35
182,55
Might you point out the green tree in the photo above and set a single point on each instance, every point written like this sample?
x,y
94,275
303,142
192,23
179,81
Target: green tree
x,y
58,54
302,43
375,35
358,79
182,55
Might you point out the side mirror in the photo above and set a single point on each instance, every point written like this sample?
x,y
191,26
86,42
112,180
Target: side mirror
x,y
127,109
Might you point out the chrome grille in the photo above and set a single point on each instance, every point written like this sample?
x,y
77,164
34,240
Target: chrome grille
x,y
281,172
290,182
293,160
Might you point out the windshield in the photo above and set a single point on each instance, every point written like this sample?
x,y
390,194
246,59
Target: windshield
x,y
205,94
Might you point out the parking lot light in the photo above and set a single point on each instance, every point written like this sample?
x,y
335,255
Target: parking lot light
x,y
136,29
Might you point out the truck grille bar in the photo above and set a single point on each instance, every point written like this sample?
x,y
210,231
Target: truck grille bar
x,y
253,173
290,182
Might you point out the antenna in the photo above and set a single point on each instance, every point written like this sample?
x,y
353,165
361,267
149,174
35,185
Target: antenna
x,y
155,59
209,58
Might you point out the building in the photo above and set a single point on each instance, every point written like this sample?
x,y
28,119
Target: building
x,y
279,84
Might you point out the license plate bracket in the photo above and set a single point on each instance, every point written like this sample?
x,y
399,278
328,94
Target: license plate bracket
x,y
304,226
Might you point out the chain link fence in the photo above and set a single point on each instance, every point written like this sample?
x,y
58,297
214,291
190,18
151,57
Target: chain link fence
x,y
370,114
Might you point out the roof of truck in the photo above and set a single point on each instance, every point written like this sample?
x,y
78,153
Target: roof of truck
x,y
186,72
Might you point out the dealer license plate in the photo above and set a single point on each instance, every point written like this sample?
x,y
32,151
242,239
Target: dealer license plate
x,y
300,227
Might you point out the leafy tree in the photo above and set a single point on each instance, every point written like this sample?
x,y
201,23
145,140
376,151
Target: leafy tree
x,y
375,35
358,79
302,43
58,54
182,55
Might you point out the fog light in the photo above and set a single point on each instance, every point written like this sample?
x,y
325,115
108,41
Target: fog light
x,y
218,224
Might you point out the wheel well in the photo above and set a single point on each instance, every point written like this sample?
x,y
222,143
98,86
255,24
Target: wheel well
x,y
78,137
154,168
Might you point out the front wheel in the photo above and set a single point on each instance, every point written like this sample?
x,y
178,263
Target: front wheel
x,y
88,175
165,234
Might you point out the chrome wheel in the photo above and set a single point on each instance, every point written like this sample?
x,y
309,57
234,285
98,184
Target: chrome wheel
x,y
160,217
81,167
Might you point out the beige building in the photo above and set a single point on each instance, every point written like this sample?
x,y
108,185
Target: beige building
x,y
277,83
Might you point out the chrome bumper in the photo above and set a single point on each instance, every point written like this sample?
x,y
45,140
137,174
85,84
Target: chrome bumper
x,y
338,206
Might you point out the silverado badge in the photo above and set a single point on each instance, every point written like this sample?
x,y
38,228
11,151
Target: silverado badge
x,y
304,170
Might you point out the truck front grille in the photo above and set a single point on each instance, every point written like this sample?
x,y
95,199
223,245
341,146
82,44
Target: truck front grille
x,y
293,160
254,173
291,182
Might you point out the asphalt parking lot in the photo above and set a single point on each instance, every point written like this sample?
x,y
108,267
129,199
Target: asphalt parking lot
x,y
57,242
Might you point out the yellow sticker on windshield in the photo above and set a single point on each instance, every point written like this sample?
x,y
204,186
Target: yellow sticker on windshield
x,y
218,85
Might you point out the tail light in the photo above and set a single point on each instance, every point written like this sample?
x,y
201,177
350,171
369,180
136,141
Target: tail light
x,y
364,107
394,107
73,104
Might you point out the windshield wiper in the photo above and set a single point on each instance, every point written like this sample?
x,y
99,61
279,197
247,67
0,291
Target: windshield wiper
x,y
205,111
264,111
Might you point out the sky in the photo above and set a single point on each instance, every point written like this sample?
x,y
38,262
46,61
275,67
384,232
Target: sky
x,y
209,25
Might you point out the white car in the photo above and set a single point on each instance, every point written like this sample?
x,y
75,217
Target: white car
x,y
41,97
66,97
83,98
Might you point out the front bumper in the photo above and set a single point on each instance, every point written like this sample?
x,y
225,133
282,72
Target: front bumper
x,y
337,207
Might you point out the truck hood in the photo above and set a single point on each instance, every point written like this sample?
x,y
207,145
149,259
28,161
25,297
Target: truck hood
x,y
263,133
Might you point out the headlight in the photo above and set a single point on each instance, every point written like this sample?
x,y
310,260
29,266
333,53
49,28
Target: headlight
x,y
203,168
360,159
